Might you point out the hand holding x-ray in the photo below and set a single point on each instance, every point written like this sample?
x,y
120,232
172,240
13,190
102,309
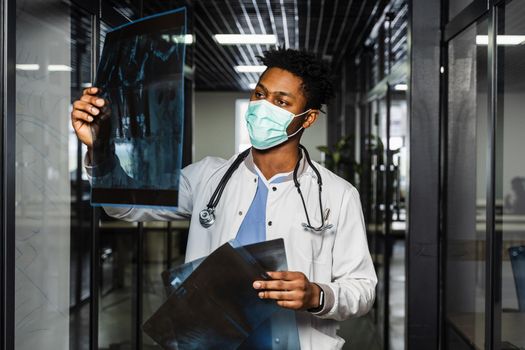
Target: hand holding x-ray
x,y
91,118
86,110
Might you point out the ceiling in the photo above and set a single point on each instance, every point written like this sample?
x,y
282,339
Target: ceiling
x,y
329,28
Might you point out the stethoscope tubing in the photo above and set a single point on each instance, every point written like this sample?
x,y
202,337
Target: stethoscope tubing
x,y
207,215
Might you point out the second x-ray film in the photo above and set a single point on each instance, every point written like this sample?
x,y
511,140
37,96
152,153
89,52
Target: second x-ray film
x,y
277,332
138,137
270,255
215,307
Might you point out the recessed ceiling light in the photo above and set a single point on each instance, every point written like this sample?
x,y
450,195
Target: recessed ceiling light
x,y
27,66
401,87
506,40
59,68
188,39
250,69
240,39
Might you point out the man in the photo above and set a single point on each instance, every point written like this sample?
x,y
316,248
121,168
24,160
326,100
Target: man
x,y
276,193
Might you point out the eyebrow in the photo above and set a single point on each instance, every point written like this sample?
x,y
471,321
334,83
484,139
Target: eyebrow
x,y
282,93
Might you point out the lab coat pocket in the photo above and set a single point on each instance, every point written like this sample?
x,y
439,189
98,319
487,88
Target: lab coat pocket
x,y
317,246
323,341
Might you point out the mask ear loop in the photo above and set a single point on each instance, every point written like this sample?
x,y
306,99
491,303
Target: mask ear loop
x,y
302,127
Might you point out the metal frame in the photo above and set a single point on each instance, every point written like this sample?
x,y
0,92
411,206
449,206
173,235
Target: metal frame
x,y
443,105
423,220
8,50
494,240
465,18
387,244
95,240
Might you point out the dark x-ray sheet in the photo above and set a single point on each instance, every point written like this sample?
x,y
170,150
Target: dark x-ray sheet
x,y
137,150
270,255
216,306
278,331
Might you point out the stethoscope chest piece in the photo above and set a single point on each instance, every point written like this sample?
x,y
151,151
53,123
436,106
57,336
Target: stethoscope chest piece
x,y
207,217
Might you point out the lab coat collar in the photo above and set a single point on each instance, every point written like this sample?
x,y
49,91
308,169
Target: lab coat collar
x,y
303,167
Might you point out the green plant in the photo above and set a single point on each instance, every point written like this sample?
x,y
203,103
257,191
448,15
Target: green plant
x,y
340,159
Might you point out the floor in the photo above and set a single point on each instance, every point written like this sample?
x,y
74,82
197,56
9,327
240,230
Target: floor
x,y
361,333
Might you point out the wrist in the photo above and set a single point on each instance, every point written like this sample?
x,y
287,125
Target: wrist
x,y
315,298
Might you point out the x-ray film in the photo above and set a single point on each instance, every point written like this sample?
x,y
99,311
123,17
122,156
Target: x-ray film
x,y
278,331
138,137
270,255
215,307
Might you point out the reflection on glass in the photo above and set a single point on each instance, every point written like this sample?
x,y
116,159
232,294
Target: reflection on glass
x,y
510,175
466,184
117,284
398,186
42,193
81,211
456,6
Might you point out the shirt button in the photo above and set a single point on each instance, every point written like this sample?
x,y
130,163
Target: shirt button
x,y
240,212
274,188
255,180
269,223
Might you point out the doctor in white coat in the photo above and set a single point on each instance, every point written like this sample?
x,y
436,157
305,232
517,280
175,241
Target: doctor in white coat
x,y
276,191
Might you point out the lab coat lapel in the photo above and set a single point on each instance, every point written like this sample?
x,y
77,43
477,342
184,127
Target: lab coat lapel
x,y
242,193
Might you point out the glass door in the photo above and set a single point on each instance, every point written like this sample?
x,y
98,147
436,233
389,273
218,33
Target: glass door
x,y
510,174
385,211
466,191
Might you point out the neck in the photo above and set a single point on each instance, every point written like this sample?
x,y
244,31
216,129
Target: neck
x,y
278,159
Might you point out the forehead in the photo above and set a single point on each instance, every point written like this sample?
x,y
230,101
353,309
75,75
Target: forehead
x,y
277,79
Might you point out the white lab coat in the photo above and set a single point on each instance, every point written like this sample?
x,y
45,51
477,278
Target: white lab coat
x,y
337,259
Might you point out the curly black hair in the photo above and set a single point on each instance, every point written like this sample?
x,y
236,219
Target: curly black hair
x,y
314,72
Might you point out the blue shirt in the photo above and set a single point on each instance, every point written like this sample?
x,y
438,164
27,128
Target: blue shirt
x,y
253,227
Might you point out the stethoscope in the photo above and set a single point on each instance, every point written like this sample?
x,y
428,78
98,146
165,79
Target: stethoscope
x,y
207,215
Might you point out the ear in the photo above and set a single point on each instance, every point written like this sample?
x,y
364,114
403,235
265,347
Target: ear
x,y
311,117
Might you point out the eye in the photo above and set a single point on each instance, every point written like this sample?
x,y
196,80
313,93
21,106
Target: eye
x,y
258,94
282,103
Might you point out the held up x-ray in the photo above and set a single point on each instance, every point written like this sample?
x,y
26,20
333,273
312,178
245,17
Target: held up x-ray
x,y
137,140
212,305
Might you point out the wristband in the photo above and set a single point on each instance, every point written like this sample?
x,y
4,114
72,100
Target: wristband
x,y
321,302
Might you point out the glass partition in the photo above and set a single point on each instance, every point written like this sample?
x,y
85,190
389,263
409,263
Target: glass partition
x,y
81,212
466,183
510,172
43,196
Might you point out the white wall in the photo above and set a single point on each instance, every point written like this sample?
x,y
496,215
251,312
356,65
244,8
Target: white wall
x,y
214,129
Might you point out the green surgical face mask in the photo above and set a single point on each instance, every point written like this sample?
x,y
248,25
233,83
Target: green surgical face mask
x,y
267,124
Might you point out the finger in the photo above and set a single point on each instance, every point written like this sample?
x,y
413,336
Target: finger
x,y
81,115
272,285
289,304
94,100
286,275
90,91
278,295
86,107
